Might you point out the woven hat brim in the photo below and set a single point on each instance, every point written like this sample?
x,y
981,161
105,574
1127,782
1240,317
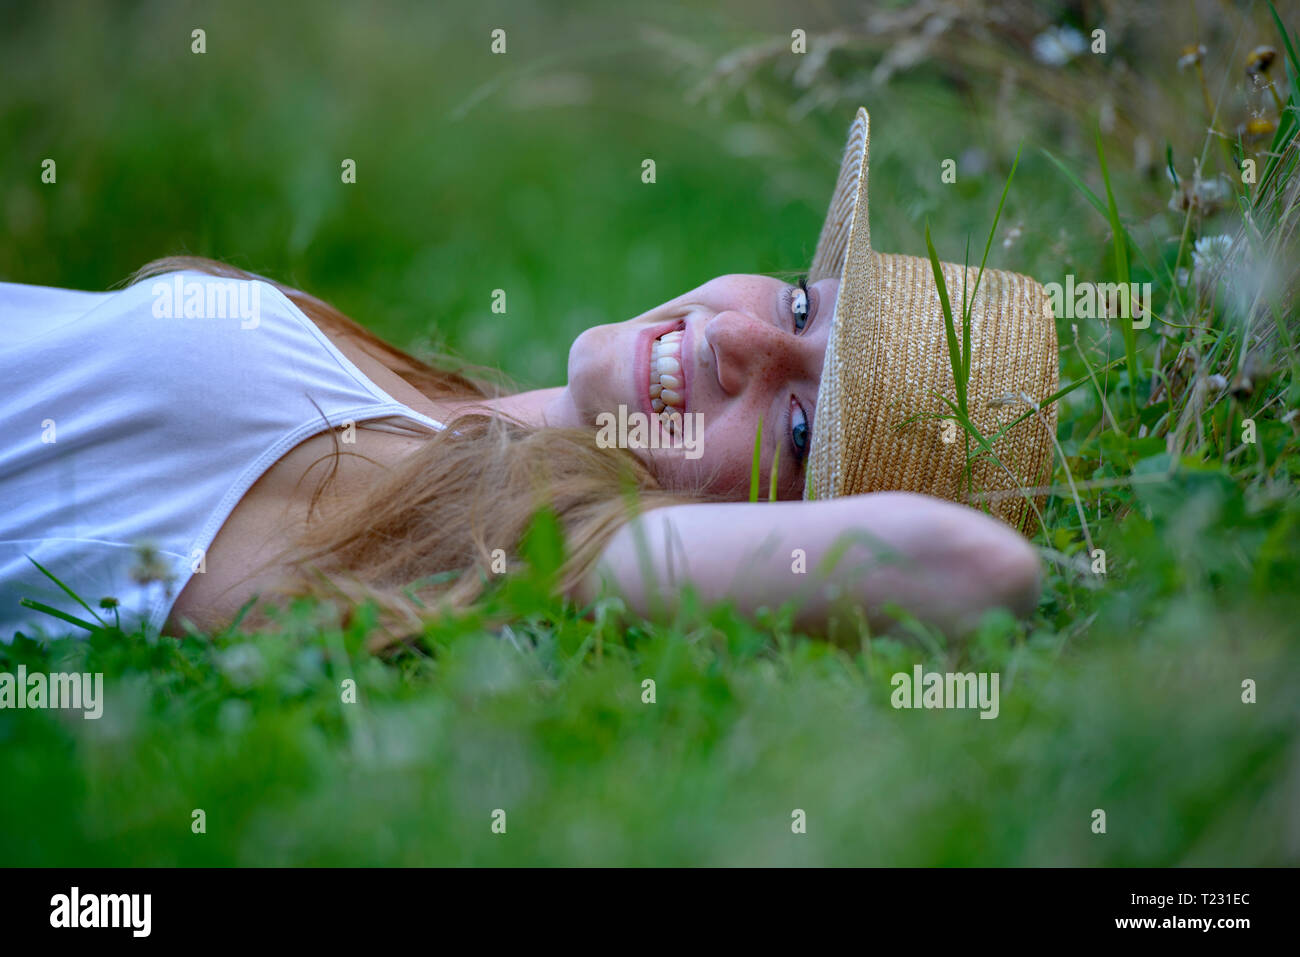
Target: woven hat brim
x,y
847,224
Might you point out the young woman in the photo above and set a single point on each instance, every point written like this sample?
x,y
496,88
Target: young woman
x,y
204,437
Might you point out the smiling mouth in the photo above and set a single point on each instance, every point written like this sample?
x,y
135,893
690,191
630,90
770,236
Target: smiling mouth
x,y
667,381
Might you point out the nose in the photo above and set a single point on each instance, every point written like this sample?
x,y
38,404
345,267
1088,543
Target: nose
x,y
750,350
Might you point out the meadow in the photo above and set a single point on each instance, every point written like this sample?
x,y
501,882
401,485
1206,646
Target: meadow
x,y
1157,680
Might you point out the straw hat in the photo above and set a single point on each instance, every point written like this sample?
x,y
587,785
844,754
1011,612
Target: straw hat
x,y
876,425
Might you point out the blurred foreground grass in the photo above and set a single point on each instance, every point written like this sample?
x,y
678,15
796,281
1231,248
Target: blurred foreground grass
x,y
523,172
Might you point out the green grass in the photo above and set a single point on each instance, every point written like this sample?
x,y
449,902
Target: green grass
x,y
1122,692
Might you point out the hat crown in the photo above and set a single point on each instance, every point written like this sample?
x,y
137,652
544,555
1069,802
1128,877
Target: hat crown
x,y
884,418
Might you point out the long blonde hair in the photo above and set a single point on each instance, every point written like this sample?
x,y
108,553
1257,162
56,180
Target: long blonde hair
x,y
443,510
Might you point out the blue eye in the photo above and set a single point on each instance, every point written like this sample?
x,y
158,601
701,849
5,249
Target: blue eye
x,y
799,432
798,300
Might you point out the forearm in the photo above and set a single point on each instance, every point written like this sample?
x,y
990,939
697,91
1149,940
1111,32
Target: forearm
x,y
941,562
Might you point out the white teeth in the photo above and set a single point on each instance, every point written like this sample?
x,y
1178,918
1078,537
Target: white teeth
x,y
666,379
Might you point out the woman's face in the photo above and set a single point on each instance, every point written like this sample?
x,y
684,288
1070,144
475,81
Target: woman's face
x,y
749,347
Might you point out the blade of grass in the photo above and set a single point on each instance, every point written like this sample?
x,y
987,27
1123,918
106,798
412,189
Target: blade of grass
x,y
954,350
71,594
1118,235
1100,207
1055,397
959,356
1101,393
967,297
955,358
55,613
753,471
771,485
989,244
966,301
1286,39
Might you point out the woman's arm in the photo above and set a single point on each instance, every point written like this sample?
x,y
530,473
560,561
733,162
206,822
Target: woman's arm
x,y
942,562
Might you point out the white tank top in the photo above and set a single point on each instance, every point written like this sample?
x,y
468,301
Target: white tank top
x,y
137,420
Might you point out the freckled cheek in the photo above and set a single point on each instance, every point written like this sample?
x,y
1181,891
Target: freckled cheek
x,y
729,448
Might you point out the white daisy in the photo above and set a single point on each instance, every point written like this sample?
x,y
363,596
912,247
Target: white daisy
x,y
1211,252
